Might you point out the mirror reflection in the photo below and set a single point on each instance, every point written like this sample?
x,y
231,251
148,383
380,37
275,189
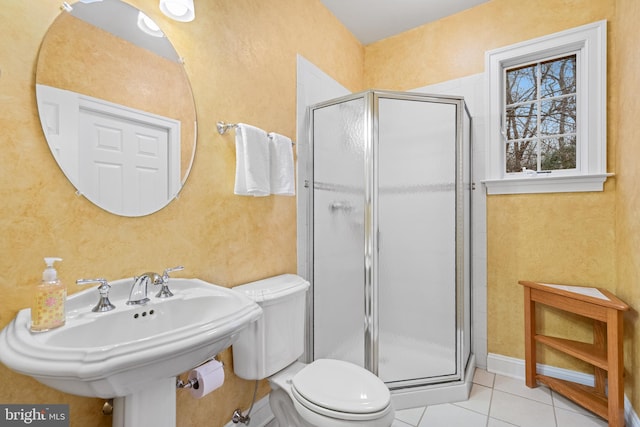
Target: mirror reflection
x,y
116,107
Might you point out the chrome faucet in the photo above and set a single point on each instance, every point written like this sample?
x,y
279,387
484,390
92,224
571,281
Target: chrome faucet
x,y
138,294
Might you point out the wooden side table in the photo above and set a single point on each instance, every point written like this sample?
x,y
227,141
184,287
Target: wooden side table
x,y
605,354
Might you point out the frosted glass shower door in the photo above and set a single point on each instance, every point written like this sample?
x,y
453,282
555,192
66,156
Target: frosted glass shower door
x,y
339,145
416,207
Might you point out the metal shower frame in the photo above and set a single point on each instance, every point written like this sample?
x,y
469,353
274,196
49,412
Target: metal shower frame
x,y
371,285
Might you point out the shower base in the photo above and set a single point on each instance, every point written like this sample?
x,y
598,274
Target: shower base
x,y
418,359
433,394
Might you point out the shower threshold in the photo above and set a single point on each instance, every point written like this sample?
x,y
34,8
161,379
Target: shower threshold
x,y
448,392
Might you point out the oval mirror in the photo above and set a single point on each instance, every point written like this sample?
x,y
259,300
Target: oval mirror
x,y
116,106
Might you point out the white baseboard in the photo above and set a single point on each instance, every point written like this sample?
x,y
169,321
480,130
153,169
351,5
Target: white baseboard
x,y
514,368
261,414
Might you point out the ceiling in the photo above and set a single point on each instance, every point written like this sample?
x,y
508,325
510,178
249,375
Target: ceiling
x,y
373,20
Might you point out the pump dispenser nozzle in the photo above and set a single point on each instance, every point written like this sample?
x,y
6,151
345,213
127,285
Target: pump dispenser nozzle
x,y
50,274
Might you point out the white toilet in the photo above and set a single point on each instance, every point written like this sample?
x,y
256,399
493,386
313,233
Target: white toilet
x,y
324,393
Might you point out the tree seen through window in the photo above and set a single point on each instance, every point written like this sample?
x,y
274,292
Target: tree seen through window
x,y
540,116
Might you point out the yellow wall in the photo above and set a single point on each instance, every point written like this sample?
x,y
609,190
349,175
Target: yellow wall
x,y
580,238
628,186
241,59
454,47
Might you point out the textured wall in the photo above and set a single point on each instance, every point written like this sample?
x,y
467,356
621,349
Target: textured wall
x,y
454,46
628,187
241,59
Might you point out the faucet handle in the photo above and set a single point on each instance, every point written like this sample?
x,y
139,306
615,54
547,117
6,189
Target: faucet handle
x,y
103,304
165,292
103,284
165,275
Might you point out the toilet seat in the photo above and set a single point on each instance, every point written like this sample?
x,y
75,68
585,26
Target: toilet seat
x,y
341,390
322,412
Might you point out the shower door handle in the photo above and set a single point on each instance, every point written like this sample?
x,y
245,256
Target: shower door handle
x,y
340,206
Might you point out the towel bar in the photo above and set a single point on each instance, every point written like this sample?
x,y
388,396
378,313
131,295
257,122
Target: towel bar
x,y
224,127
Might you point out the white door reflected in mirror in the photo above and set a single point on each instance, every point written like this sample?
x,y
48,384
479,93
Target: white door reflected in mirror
x,y
124,160
123,163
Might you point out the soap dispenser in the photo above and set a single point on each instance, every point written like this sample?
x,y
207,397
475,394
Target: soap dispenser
x,y
48,310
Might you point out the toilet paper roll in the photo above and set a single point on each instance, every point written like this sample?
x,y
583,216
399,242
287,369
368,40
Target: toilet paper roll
x,y
210,376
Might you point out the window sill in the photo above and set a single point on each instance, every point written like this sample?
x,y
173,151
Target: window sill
x,y
546,184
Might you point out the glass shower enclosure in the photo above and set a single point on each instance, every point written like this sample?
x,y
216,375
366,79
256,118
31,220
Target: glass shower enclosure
x,y
388,200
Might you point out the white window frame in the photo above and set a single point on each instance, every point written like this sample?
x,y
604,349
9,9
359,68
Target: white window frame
x,y
589,43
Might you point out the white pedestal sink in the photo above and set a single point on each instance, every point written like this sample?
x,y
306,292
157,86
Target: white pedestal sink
x,y
132,353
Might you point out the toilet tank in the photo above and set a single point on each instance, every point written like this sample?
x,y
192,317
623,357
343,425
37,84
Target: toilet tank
x,y
276,339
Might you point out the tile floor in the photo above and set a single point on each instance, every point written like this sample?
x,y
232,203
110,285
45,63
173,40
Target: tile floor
x,y
499,401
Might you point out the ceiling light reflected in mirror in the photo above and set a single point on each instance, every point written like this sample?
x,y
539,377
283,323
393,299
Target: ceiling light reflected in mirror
x,y
179,10
147,25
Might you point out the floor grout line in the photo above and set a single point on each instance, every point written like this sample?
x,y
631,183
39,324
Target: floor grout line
x,y
555,400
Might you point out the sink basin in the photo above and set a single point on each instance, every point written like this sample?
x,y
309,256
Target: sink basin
x,y
129,349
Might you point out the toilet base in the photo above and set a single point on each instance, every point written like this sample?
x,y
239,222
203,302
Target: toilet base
x,y
280,400
284,411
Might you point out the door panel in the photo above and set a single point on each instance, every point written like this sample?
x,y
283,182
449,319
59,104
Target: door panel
x,y
132,154
417,246
338,231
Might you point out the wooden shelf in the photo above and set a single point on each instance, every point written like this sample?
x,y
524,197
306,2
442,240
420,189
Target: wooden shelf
x,y
604,354
586,352
581,394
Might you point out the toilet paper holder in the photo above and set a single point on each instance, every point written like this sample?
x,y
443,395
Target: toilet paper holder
x,y
192,382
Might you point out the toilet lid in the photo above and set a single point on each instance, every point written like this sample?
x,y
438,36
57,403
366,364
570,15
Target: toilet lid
x,y
341,386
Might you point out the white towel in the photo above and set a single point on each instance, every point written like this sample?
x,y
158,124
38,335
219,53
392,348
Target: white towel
x,y
252,161
282,168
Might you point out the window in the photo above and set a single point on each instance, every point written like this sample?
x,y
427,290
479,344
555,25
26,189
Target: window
x,y
547,118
